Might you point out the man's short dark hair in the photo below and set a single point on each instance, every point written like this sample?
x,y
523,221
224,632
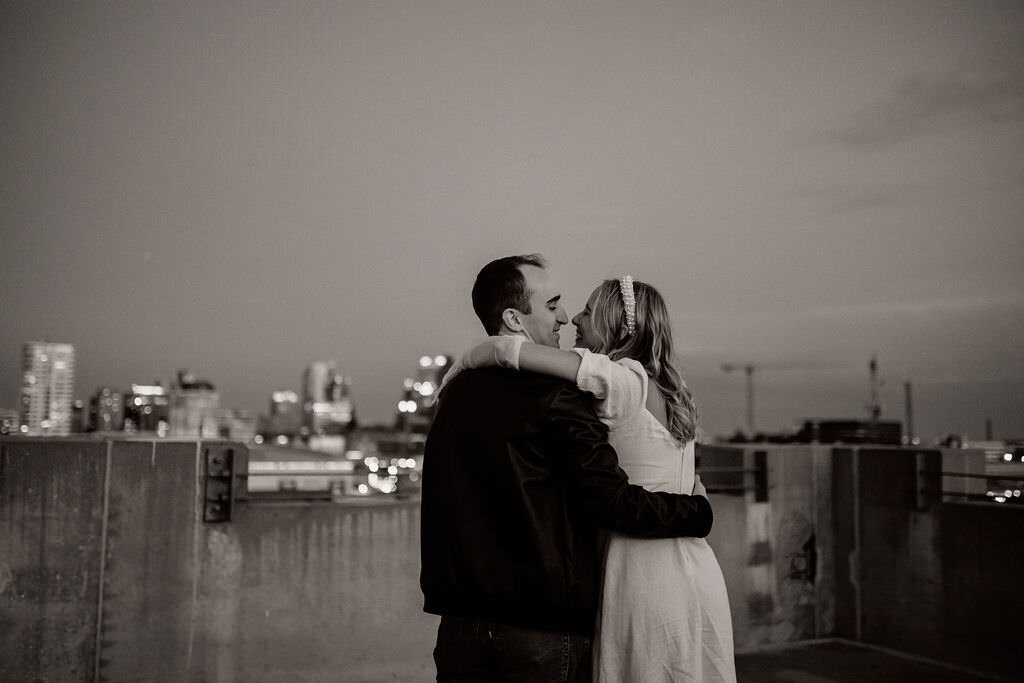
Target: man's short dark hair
x,y
500,285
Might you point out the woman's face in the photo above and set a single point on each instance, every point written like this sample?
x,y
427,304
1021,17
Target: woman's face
x,y
586,336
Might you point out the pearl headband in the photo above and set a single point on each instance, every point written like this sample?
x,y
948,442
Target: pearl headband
x,y
628,303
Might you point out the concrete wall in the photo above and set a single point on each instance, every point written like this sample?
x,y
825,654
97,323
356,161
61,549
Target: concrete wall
x,y
51,531
775,553
329,592
923,573
983,581
916,574
107,572
896,579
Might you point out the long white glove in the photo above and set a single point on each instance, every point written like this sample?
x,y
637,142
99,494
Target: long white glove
x,y
502,350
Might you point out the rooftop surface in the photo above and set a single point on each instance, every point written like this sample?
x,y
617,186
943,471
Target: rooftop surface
x,y
839,661
818,661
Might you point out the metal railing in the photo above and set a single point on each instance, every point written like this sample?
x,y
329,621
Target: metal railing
x,y
338,489
226,477
756,482
932,488
226,473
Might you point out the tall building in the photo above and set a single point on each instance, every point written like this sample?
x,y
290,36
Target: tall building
x,y
193,407
322,383
416,409
146,409
325,401
9,421
234,423
48,380
314,381
106,411
285,418
79,417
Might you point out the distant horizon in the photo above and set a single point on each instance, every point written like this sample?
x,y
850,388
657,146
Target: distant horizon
x,y
378,420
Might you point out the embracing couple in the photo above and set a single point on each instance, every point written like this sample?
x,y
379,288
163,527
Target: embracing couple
x,y
563,524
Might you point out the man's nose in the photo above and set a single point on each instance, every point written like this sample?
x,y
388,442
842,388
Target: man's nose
x,y
562,318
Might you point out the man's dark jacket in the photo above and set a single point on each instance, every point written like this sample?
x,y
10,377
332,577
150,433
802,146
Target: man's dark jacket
x,y
518,478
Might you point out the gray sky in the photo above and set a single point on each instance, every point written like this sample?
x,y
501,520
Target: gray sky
x,y
241,188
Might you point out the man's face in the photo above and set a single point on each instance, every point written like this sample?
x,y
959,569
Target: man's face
x,y
546,312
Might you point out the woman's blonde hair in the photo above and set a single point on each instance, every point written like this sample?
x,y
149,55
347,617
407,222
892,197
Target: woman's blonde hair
x,y
650,344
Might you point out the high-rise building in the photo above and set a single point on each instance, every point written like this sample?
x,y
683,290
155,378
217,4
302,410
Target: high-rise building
x,y
79,417
321,382
285,418
325,401
48,380
234,423
146,409
9,421
284,401
106,411
193,407
416,409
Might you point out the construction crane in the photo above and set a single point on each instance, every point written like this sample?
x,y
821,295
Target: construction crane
x,y
874,406
748,369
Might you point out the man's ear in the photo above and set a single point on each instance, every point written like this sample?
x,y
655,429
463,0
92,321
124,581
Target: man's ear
x,y
512,319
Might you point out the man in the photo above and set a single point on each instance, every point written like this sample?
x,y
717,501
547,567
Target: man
x,y
518,478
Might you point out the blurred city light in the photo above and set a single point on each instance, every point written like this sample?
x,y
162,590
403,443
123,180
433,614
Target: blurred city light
x,y
286,396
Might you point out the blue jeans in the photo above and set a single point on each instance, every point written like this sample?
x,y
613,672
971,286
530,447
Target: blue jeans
x,y
476,650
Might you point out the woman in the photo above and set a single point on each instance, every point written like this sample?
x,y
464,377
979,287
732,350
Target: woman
x,y
664,613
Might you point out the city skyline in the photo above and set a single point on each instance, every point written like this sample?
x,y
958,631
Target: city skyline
x,y
874,408
243,189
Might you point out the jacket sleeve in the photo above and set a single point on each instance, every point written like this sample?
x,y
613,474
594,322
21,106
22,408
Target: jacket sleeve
x,y
602,488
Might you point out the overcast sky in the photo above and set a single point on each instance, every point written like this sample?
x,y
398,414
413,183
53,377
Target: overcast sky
x,y
241,188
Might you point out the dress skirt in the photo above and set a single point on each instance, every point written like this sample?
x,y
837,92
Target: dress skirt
x,y
664,614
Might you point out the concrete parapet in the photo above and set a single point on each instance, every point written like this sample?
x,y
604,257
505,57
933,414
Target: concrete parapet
x,y
872,544
926,574
773,539
112,566
108,571
51,545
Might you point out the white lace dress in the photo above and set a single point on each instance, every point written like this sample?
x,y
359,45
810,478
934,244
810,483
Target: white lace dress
x,y
664,612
